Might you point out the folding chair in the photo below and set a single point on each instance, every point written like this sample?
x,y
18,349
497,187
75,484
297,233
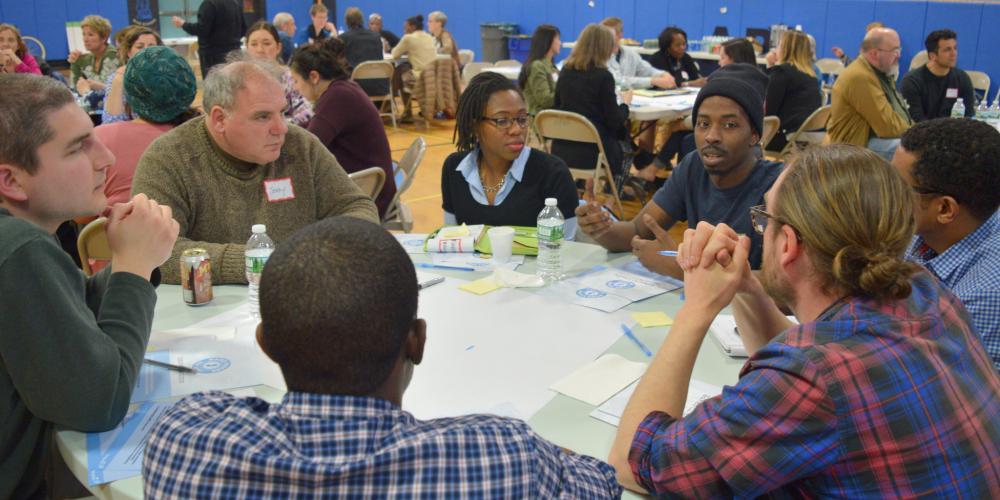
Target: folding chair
x,y
514,63
919,59
810,132
93,244
568,126
465,56
378,70
398,215
771,126
472,69
980,82
370,180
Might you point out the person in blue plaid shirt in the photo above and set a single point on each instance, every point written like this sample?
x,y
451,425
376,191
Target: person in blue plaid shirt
x,y
882,391
953,166
340,431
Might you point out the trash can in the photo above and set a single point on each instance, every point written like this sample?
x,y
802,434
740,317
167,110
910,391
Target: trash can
x,y
519,47
494,38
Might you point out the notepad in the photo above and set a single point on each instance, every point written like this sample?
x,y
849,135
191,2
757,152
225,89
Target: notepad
x,y
597,381
481,286
652,319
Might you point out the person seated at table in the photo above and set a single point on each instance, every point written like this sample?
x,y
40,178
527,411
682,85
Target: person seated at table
x,y
792,90
932,89
495,178
586,87
716,184
71,346
736,50
89,71
285,24
346,121
421,51
674,59
883,372
263,42
14,55
389,39
362,45
160,86
242,164
536,77
950,164
133,40
341,431
631,71
319,27
443,40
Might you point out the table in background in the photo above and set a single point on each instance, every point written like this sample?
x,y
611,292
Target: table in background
x,y
511,72
563,420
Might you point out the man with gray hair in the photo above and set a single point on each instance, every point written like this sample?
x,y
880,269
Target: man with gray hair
x,y
285,24
867,110
242,164
389,39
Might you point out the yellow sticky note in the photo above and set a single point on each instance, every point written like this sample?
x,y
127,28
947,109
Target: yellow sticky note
x,y
454,231
481,286
650,319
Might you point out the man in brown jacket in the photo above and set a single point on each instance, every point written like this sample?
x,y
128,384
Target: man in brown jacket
x,y
240,165
867,110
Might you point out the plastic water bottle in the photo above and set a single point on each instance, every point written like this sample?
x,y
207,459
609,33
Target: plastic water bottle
x,y
983,110
258,249
550,236
958,110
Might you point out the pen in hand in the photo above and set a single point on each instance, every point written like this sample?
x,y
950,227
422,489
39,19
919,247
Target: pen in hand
x,y
176,368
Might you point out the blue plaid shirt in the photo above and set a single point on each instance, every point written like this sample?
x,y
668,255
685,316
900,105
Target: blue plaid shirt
x,y
971,269
213,445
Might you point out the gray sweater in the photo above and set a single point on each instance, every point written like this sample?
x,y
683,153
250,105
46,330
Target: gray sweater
x,y
216,198
70,348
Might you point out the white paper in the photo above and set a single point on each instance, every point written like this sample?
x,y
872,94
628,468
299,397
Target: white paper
x,y
596,382
508,349
608,289
221,365
455,239
117,454
473,261
611,411
413,243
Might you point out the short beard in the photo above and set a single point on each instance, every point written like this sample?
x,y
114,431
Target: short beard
x,y
776,287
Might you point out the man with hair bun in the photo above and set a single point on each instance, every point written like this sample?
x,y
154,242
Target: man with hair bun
x,y
883,389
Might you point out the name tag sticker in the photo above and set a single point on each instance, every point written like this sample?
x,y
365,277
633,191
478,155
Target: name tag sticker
x,y
951,93
684,75
279,189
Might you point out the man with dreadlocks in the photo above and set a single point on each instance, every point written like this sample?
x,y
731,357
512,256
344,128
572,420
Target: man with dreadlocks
x,y
494,178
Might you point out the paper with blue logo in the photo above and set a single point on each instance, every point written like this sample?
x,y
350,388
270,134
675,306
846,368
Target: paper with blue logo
x,y
221,363
611,288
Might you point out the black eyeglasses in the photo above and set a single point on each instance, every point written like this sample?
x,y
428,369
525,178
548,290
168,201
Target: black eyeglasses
x,y
506,123
759,216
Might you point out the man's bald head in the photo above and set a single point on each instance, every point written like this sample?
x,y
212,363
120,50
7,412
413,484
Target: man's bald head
x,y
881,48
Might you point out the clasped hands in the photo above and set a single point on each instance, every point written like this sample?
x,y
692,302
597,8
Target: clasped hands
x,y
716,267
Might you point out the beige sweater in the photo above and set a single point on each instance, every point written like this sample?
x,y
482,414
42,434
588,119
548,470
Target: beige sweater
x,y
419,47
216,198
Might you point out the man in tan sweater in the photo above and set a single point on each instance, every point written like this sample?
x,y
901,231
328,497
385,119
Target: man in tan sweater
x,y
240,165
867,110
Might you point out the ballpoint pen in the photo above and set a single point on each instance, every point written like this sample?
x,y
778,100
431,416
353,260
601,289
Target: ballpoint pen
x,y
628,333
176,368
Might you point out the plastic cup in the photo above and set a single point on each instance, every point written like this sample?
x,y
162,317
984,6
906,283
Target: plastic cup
x,y
502,241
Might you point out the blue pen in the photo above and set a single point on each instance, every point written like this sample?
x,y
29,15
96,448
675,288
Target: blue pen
x,y
438,266
628,333
668,253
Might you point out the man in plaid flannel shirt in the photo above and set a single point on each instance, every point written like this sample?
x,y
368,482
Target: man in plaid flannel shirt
x,y
953,166
883,390
340,432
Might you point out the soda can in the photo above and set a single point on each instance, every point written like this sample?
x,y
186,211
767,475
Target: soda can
x,y
196,277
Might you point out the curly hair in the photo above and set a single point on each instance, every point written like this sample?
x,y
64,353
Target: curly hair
x,y
960,158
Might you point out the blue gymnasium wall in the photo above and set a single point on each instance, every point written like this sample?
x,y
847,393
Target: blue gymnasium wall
x,y
832,22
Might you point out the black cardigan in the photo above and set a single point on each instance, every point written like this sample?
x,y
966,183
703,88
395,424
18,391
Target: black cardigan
x,y
791,96
545,176
591,93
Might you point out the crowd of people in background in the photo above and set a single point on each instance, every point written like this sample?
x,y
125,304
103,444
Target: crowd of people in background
x,y
883,243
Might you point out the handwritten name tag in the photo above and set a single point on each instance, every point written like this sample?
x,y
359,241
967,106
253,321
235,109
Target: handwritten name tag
x,y
951,93
279,189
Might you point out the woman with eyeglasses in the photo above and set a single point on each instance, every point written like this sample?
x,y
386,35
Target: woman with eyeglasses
x,y
344,119
495,178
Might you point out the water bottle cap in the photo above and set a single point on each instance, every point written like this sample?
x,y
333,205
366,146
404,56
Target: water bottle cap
x,y
258,229
551,202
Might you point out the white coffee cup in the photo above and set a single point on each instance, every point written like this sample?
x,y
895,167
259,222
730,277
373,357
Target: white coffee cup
x,y
502,241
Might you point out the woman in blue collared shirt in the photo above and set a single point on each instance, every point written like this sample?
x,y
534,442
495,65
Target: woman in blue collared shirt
x,y
494,178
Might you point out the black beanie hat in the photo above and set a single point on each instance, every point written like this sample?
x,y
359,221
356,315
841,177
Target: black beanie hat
x,y
741,82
